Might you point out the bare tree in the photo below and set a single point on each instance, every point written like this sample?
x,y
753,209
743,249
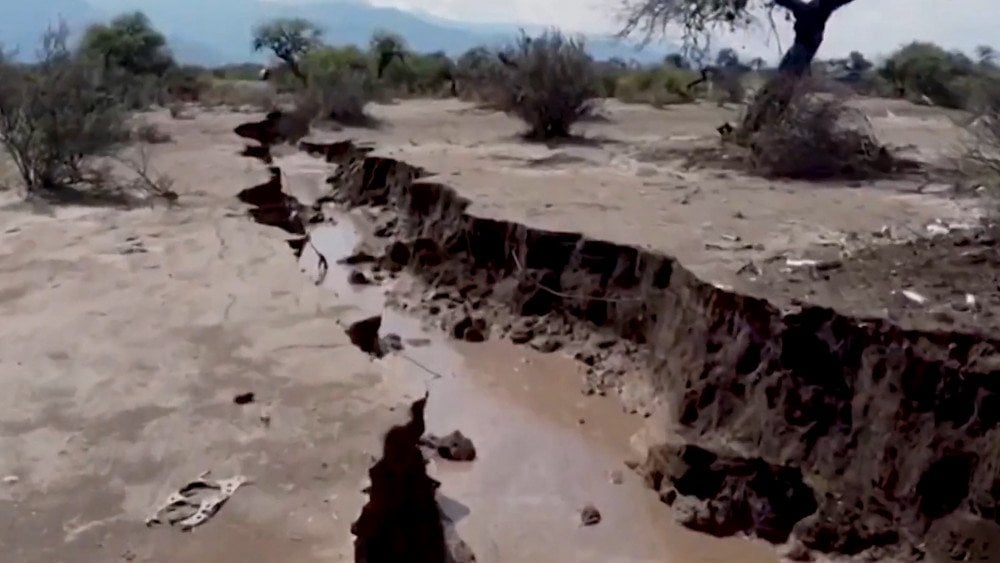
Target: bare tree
x,y
698,19
288,39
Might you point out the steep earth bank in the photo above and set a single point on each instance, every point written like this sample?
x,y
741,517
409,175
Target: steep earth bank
x,y
791,422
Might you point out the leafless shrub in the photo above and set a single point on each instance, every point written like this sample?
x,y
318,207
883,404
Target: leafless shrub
x,y
241,94
340,95
145,180
549,82
150,133
57,116
982,154
804,132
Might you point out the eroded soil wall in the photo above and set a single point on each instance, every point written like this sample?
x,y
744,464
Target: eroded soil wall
x,y
846,435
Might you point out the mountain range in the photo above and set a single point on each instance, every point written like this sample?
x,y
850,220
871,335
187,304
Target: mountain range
x,y
215,32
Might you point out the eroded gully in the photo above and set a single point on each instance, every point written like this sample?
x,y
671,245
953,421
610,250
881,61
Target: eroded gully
x,y
543,450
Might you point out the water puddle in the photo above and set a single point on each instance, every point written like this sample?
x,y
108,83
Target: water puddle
x,y
544,450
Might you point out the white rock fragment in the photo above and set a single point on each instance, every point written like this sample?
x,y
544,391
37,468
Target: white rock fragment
x,y
914,296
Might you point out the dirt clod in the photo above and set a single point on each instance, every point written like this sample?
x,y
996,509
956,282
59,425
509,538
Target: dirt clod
x,y
454,447
364,335
244,398
357,277
546,344
590,516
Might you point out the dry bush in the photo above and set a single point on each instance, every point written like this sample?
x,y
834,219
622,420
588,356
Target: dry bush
x,y
57,116
150,133
550,83
339,95
241,94
808,133
982,155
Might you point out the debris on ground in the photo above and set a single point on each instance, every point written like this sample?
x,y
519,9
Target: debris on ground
x,y
391,343
11,480
196,502
364,335
244,398
418,342
616,477
454,447
589,515
357,277
914,296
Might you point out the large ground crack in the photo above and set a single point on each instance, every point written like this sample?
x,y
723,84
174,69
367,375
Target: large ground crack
x,y
844,434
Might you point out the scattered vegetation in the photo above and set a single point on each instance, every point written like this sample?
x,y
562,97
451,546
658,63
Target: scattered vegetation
x,y
549,83
57,116
982,157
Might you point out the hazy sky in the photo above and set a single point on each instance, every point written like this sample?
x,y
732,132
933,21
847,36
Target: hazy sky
x,y
870,26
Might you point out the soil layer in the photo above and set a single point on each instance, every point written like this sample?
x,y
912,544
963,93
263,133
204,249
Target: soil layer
x,y
787,420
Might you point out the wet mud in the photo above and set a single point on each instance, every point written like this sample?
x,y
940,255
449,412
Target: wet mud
x,y
788,421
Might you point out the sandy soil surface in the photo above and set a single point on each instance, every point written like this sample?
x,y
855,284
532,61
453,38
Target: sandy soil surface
x,y
126,336
128,333
627,181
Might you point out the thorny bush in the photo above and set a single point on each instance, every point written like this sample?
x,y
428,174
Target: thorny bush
x,y
549,82
814,136
58,115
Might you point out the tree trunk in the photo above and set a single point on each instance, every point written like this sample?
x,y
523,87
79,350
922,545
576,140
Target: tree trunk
x,y
810,23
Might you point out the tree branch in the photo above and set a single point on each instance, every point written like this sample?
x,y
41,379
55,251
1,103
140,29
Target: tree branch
x,y
793,6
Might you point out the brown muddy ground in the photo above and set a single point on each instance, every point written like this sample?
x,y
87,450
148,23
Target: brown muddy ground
x,y
628,180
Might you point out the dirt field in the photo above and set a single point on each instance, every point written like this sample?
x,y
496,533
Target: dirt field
x,y
128,333
626,183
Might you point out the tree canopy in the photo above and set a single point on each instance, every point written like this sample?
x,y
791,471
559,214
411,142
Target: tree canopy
x,y
288,38
699,19
130,42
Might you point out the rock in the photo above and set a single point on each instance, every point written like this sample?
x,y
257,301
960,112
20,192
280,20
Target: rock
x,y
392,342
470,329
546,344
359,257
455,446
473,334
590,516
244,398
521,335
11,480
615,477
357,277
398,253
364,335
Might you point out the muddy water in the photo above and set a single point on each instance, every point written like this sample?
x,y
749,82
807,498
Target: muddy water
x,y
544,450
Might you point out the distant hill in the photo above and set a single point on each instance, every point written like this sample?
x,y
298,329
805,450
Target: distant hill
x,y
212,32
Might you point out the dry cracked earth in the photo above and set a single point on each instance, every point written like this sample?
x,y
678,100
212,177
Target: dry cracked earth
x,y
430,341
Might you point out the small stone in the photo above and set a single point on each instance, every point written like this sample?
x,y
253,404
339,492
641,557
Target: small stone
x,y
244,398
357,277
590,516
473,334
521,335
455,446
616,477
546,344
11,480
